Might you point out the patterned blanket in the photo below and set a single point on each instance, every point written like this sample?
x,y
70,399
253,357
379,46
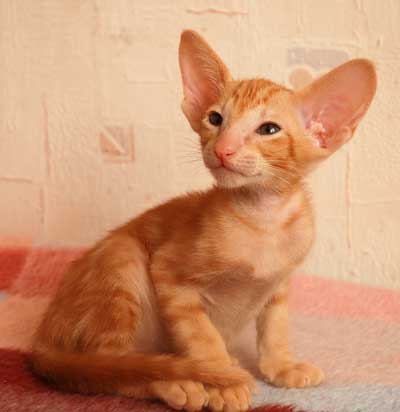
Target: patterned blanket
x,y
350,331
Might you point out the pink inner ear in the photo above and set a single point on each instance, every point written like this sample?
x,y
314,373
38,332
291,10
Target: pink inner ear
x,y
202,92
318,133
333,105
323,119
199,95
204,76
199,90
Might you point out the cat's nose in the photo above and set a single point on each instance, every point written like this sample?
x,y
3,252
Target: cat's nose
x,y
224,151
226,146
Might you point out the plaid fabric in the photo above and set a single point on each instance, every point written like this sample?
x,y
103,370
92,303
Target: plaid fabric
x,y
350,331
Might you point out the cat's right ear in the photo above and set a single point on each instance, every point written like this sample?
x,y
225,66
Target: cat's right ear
x,y
204,76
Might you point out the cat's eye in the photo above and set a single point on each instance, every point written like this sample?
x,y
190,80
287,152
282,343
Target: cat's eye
x,y
215,119
268,128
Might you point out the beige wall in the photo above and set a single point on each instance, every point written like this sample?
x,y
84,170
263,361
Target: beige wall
x,y
91,131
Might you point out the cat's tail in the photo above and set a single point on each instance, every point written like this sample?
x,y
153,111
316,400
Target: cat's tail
x,y
94,373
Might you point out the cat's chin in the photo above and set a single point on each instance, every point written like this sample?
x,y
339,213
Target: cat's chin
x,y
231,180
229,184
227,179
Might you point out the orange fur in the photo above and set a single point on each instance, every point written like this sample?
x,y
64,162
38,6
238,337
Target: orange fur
x,y
151,309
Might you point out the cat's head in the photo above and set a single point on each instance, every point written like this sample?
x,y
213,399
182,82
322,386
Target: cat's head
x,y
258,132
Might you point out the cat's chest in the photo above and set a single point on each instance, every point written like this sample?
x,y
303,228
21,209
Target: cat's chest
x,y
256,263
271,252
233,300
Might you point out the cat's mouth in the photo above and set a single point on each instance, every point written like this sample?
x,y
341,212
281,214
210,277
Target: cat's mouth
x,y
232,178
225,171
224,168
231,169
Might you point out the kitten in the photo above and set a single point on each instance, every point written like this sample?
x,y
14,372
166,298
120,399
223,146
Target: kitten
x,y
150,310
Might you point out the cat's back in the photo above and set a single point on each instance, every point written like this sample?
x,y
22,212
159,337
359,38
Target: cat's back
x,y
181,216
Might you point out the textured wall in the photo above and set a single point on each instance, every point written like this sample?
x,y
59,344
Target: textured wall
x,y
91,131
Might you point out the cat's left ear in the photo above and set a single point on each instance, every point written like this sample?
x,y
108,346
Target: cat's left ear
x,y
332,106
204,76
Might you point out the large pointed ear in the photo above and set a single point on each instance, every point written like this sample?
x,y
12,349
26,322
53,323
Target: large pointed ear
x,y
332,106
204,76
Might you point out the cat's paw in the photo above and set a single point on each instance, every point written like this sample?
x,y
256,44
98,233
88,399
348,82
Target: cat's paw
x,y
231,399
182,395
291,375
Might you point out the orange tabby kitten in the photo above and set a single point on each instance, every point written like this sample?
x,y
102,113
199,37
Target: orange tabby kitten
x,y
151,309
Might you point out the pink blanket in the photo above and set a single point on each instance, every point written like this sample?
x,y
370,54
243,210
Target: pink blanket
x,y
349,330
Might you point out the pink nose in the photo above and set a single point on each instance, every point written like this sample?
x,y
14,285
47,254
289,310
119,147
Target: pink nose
x,y
224,150
227,144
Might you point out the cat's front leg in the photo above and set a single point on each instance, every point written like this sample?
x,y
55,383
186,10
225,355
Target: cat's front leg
x,y
186,321
195,336
275,359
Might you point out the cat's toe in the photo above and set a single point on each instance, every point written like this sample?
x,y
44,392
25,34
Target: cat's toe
x,y
181,395
232,399
196,396
315,375
295,375
216,401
